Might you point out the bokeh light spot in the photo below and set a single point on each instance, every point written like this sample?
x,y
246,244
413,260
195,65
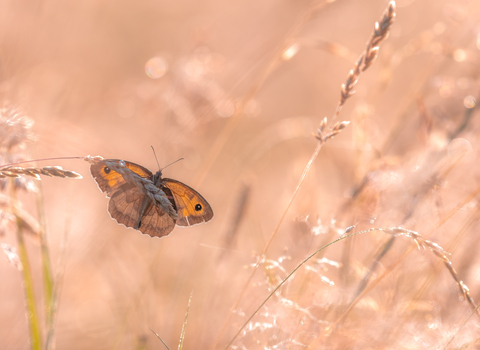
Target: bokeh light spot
x,y
225,109
445,91
469,101
459,55
194,69
439,28
459,147
156,67
290,52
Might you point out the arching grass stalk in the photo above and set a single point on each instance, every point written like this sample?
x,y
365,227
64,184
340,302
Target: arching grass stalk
x,y
37,160
288,277
419,241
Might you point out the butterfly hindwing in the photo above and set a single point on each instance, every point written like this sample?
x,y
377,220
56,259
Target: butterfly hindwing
x,y
125,204
126,207
156,222
191,207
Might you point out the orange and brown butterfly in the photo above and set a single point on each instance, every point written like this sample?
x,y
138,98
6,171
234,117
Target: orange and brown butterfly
x,y
147,202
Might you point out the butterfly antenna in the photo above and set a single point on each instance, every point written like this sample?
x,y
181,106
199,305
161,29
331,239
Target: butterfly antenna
x,y
153,149
166,165
172,163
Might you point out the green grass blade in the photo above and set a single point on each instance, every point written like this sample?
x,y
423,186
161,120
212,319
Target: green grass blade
x,y
48,282
34,325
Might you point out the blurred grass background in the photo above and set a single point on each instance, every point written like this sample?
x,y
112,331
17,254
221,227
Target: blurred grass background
x,y
114,78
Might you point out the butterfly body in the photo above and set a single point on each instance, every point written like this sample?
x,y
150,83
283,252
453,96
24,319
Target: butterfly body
x,y
146,201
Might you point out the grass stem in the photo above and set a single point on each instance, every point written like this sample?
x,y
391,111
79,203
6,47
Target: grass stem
x,y
32,316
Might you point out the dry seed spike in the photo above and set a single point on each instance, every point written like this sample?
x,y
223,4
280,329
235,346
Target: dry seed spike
x,y
54,171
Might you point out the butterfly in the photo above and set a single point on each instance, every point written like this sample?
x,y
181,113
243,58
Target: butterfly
x,y
147,202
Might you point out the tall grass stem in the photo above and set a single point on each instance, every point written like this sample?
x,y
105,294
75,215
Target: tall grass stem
x,y
32,316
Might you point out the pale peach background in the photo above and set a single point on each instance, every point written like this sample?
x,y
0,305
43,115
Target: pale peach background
x,y
77,68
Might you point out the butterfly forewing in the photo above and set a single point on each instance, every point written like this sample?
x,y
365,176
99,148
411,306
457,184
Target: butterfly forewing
x,y
191,207
108,174
108,180
139,170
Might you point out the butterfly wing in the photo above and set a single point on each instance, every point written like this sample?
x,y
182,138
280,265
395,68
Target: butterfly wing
x,y
156,222
191,207
107,173
130,207
125,205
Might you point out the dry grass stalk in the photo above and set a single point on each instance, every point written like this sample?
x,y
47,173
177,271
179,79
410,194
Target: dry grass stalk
x,y
415,236
423,243
393,266
53,171
439,252
331,133
367,57
156,334
365,60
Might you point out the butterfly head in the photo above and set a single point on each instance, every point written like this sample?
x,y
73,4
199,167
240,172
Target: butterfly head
x,y
157,178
